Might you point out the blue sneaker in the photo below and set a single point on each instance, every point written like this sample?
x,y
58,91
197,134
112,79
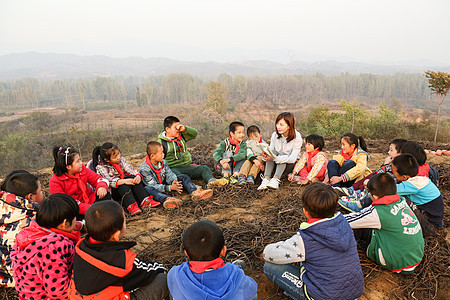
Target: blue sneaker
x,y
350,205
250,179
242,179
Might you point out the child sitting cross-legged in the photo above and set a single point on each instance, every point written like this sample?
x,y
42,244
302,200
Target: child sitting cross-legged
x,y
389,227
160,179
254,162
325,248
313,164
230,155
43,254
206,275
104,267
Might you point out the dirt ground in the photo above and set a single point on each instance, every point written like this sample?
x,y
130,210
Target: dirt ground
x,y
251,219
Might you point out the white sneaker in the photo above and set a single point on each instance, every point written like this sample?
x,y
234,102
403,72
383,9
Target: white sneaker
x,y
263,185
274,183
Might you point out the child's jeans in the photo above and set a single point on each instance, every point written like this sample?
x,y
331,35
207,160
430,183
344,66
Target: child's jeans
x,y
186,181
287,277
334,169
248,168
156,290
280,169
237,164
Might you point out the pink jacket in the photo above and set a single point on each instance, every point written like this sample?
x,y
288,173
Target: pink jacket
x,y
42,262
65,184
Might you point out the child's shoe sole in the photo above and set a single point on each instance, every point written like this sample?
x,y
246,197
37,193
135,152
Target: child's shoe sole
x,y
205,194
171,204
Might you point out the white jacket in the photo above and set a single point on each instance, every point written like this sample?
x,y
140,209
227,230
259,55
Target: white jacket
x,y
287,153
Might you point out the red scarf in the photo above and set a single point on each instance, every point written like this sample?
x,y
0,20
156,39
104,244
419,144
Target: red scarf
x,y
347,156
74,235
386,200
260,140
202,266
424,170
177,141
310,156
118,169
81,185
312,220
157,171
233,142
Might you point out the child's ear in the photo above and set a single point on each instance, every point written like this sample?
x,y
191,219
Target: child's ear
x,y
115,237
29,197
307,215
374,197
223,252
185,253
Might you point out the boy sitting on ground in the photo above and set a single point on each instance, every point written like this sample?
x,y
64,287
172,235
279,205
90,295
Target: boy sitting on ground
x,y
325,248
105,268
427,202
230,155
254,162
20,196
391,229
159,179
206,275
173,139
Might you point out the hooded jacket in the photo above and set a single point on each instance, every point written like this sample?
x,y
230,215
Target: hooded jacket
x,y
327,249
175,155
16,213
358,172
227,282
42,262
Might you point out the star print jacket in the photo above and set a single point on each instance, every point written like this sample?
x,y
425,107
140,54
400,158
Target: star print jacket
x,y
327,250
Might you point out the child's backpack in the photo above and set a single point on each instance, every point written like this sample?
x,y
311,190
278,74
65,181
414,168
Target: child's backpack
x,y
434,176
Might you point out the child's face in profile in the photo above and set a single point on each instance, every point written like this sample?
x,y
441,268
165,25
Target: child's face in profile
x,y
173,131
76,165
37,197
158,156
392,151
346,147
399,177
255,136
238,134
309,147
115,157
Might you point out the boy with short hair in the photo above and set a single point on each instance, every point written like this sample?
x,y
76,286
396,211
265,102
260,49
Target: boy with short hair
x,y
20,196
427,202
230,155
391,229
206,275
105,268
324,246
254,162
173,139
159,179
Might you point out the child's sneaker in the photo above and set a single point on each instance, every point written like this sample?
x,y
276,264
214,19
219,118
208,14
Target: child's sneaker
x,y
242,180
233,179
350,205
274,183
250,179
149,202
240,263
264,184
134,209
217,182
171,203
201,194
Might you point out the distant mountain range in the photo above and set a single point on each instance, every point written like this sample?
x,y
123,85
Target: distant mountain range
x,y
58,66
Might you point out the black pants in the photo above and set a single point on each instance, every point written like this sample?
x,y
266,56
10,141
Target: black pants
x,y
129,194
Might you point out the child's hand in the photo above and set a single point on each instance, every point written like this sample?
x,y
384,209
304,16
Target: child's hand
x,y
137,179
266,157
176,186
181,128
259,164
291,176
101,192
225,163
127,181
387,160
303,182
365,183
326,179
335,179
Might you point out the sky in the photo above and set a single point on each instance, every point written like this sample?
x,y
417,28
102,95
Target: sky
x,y
373,31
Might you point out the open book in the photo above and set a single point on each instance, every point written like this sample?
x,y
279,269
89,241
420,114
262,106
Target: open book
x,y
266,149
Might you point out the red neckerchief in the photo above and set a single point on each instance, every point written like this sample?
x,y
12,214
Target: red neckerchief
x,y
260,140
177,141
347,156
424,170
202,266
312,220
237,144
74,235
386,199
81,186
310,156
157,171
118,169
92,241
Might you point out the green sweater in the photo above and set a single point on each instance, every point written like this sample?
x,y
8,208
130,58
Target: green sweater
x,y
177,156
225,145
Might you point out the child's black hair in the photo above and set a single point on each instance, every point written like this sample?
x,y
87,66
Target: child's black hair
x,y
20,183
382,184
415,150
320,200
316,140
103,153
234,125
153,147
352,139
103,219
168,121
406,164
203,241
398,144
63,157
253,129
55,209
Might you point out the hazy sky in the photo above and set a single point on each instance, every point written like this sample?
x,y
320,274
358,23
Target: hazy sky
x,y
385,31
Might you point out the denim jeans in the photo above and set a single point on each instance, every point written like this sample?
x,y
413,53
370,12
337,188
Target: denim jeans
x,y
186,181
287,277
334,169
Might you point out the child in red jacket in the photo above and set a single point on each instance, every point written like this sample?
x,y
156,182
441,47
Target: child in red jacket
x,y
71,177
43,254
